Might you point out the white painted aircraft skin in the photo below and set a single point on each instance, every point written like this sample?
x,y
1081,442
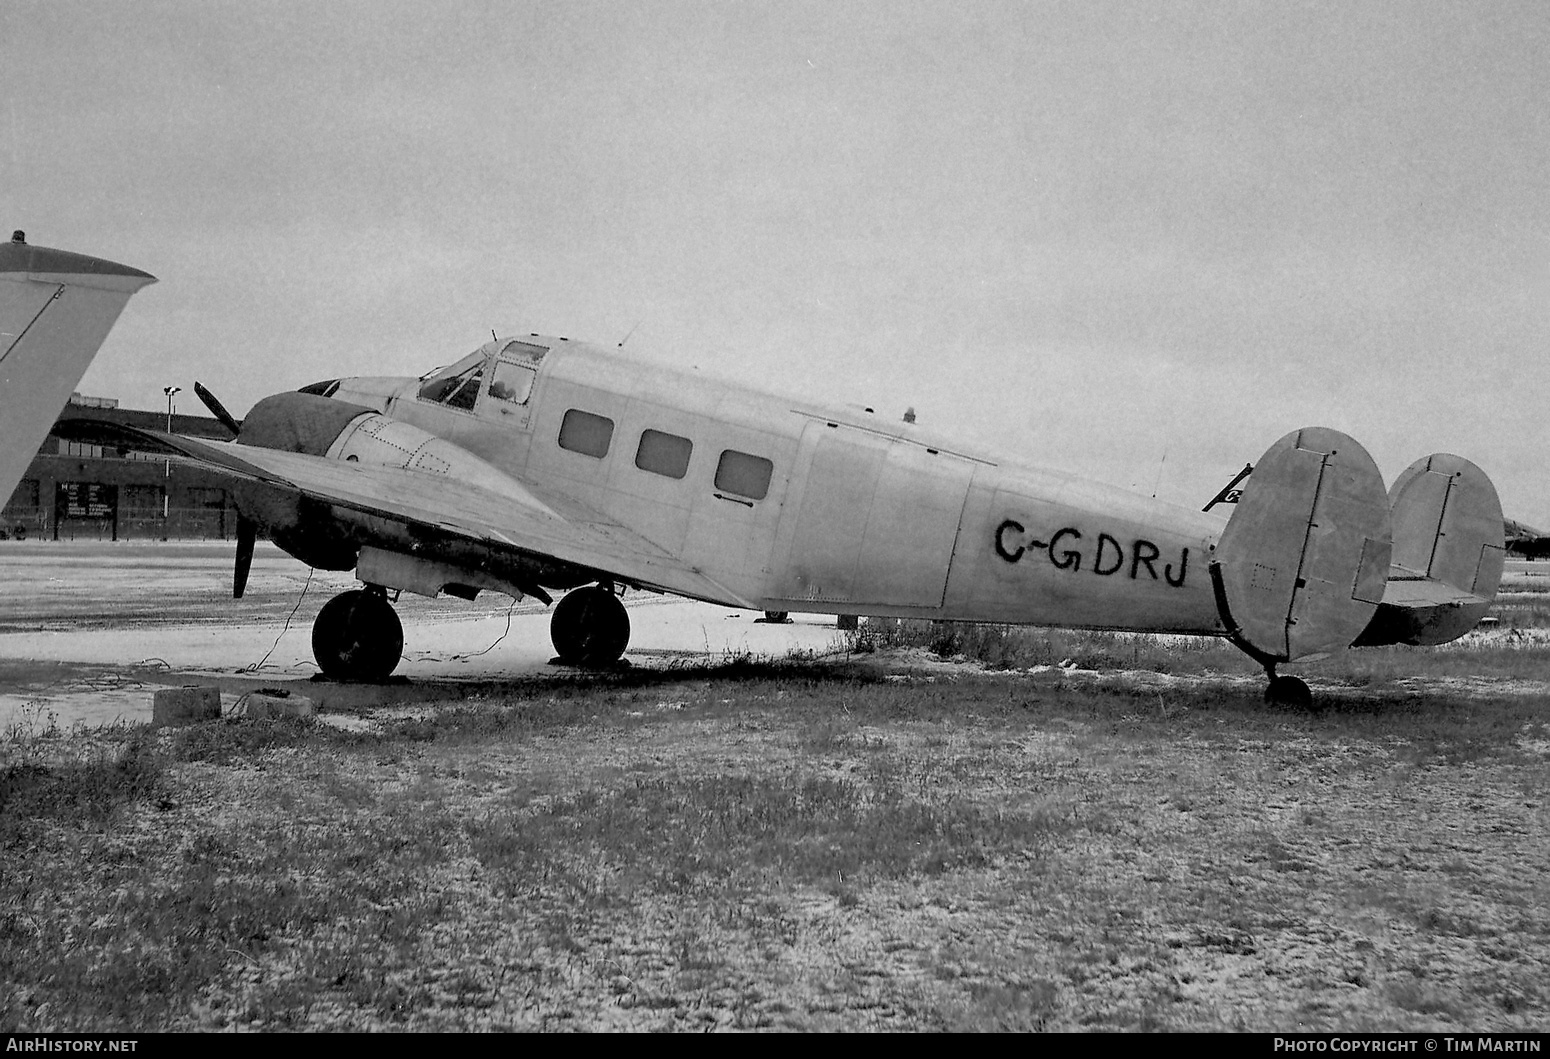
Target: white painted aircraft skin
x,y
538,463
862,516
56,309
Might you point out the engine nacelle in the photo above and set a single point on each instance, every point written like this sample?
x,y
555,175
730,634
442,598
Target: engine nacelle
x,y
323,426
334,536
304,528
380,439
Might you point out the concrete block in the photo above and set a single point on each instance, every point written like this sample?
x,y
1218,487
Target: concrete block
x,y
268,704
185,705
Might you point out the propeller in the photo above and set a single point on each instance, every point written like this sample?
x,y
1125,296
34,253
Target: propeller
x,y
247,534
247,529
218,410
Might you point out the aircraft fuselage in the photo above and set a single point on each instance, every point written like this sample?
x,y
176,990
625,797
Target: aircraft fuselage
x,y
800,508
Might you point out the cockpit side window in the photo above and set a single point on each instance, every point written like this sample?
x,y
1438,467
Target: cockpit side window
x,y
513,382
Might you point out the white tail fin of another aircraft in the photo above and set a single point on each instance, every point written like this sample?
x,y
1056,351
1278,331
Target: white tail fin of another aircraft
x,y
56,309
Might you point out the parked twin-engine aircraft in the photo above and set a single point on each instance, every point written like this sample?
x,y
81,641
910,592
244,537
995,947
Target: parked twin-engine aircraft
x,y
1525,540
56,309
537,464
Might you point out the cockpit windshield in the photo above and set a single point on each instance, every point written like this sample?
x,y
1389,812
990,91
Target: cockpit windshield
x,y
513,366
457,386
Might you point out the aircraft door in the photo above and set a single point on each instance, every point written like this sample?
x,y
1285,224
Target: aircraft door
x,y
837,482
876,523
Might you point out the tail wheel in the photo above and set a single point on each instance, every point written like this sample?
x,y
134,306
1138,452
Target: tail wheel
x,y
357,636
1290,693
590,627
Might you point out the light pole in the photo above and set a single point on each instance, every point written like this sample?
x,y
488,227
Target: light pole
x,y
166,492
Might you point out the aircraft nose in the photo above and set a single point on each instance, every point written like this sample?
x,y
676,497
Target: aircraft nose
x,y
295,422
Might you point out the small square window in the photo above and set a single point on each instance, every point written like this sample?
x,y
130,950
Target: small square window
x,y
744,475
513,382
664,454
586,433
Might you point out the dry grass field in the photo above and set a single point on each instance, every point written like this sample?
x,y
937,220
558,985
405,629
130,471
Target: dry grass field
x,y
1128,841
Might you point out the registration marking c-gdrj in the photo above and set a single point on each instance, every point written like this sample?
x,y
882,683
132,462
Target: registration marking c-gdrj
x,y
1109,558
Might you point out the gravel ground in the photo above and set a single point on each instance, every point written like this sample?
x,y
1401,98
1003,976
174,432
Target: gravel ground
x,y
1191,867
1090,851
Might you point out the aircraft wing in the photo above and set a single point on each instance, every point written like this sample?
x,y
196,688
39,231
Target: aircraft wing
x,y
551,525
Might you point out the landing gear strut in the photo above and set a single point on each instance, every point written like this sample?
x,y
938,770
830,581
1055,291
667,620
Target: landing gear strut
x,y
590,627
357,636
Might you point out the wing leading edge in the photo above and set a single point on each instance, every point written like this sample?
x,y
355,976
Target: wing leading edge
x,y
518,519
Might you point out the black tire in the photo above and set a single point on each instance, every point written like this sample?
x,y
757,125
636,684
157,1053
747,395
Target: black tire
x,y
1289,692
357,636
590,627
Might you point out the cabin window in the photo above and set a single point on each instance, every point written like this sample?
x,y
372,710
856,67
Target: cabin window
x,y
457,391
744,475
664,454
513,382
586,433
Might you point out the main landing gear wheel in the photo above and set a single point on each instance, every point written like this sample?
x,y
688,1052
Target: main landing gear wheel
x,y
357,636
1289,692
590,627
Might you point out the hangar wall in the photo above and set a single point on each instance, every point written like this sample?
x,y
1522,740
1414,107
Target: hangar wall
x,y
74,491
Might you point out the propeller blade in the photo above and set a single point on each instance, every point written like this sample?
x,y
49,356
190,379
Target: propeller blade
x,y
217,409
247,533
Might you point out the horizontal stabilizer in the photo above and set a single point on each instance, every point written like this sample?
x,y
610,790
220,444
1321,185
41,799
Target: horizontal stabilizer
x,y
1426,592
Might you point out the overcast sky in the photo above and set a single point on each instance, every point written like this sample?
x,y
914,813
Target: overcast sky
x,y
1140,241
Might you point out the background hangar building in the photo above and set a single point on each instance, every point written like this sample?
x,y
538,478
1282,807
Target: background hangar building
x,y
75,491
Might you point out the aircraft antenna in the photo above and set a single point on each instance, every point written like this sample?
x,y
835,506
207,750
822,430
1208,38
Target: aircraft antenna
x,y
632,331
1160,465
494,336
